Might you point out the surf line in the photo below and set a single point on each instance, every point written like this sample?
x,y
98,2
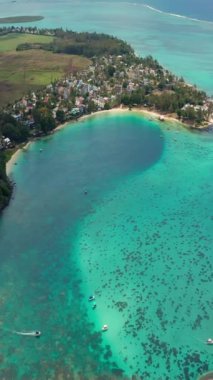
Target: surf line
x,y
175,15
159,11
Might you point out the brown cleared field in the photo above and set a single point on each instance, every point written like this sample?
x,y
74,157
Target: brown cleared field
x,y
32,69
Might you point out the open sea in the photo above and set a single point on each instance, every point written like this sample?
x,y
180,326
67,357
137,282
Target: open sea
x,y
118,205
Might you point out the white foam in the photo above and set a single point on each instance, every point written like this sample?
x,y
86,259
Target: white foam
x,y
152,8
166,13
174,14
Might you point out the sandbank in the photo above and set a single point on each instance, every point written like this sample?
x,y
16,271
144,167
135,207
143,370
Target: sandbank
x,y
19,19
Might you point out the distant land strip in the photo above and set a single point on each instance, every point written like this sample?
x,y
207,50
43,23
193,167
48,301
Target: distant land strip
x,y
19,19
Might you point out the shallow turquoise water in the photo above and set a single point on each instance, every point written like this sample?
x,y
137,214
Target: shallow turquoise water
x,y
39,275
146,253
140,240
180,44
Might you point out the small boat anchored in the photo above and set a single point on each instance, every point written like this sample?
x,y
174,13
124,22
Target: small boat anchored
x,y
30,333
91,298
105,328
209,341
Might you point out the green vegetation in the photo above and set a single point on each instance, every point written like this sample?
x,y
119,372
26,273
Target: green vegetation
x,y
43,119
164,92
36,67
31,70
5,185
172,101
19,133
86,44
12,129
20,19
85,73
28,62
10,41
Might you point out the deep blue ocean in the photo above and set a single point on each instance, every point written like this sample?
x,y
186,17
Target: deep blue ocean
x,y
200,9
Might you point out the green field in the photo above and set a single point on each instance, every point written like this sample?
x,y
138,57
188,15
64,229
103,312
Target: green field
x,y
21,71
10,41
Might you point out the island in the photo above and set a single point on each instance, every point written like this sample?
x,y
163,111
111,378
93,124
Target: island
x,y
19,19
99,72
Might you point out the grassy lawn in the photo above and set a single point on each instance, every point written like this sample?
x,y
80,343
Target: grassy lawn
x,y
9,42
31,69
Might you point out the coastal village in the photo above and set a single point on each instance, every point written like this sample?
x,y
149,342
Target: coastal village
x,y
160,232
109,81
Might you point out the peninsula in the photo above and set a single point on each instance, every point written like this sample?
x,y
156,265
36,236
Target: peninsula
x,y
110,76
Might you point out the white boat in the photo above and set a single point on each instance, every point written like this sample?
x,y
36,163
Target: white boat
x,y
91,298
30,333
209,341
105,328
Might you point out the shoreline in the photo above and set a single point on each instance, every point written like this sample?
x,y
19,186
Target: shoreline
x,y
14,157
141,110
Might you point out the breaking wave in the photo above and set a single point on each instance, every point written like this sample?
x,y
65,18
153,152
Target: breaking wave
x,y
162,12
174,14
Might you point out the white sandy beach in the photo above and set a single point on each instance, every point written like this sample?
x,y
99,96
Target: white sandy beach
x,y
14,158
142,111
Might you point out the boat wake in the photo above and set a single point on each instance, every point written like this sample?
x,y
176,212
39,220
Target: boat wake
x,y
30,333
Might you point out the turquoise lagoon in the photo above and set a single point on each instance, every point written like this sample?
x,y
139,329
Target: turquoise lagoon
x,y
140,239
183,45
